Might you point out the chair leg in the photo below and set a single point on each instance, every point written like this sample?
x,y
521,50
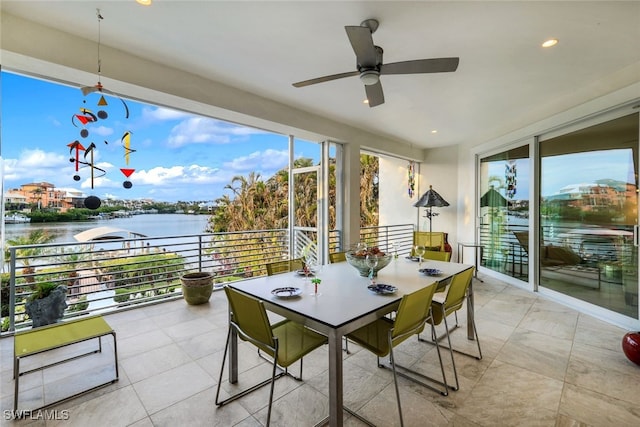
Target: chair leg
x,y
273,383
405,371
434,337
395,382
453,362
475,331
224,359
240,394
346,345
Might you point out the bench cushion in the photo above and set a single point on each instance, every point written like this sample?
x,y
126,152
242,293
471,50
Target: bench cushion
x,y
48,337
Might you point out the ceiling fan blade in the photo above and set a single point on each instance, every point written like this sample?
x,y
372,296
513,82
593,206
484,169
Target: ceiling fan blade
x,y
375,94
362,44
436,65
325,79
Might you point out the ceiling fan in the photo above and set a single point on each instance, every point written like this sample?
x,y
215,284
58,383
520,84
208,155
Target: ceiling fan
x,y
369,63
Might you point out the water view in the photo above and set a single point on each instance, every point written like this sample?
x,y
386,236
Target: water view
x,y
150,225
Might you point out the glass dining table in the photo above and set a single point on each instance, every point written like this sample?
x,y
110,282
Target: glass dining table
x,y
343,304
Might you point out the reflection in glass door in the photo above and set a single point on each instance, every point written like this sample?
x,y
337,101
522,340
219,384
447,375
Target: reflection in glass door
x,y
504,211
589,213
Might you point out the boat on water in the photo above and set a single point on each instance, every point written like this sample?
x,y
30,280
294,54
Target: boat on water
x,y
16,218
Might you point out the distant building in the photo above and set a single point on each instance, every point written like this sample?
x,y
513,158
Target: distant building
x,y
44,195
15,201
588,196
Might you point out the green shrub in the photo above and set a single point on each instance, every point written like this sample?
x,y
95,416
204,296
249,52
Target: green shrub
x,y
122,295
81,305
42,290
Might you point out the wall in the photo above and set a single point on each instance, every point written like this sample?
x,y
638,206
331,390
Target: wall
x,y
396,207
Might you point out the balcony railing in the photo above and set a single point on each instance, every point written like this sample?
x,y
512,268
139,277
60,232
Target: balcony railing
x,y
596,247
125,273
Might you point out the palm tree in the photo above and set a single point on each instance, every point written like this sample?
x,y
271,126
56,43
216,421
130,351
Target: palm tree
x,y
262,205
37,193
74,259
35,237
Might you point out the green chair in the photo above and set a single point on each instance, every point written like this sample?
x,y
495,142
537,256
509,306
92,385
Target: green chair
x,y
451,302
337,257
285,342
437,256
286,266
382,335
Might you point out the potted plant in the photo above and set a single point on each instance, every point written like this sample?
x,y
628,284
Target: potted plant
x,y
46,304
197,287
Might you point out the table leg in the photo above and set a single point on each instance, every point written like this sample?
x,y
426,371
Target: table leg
x,y
470,314
335,379
478,256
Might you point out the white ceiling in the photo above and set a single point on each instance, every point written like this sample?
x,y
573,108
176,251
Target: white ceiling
x,y
504,82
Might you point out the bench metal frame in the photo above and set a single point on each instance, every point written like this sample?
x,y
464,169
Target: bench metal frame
x,y
87,335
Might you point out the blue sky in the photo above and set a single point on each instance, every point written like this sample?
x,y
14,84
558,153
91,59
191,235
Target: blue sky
x,y
178,156
569,169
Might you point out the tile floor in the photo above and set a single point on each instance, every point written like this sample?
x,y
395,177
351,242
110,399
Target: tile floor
x,y
543,365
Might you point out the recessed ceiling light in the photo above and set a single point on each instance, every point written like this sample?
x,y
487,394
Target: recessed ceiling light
x,y
366,101
434,131
550,42
144,2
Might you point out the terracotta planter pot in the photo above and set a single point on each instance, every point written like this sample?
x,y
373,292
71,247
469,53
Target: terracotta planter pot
x,y
197,287
631,346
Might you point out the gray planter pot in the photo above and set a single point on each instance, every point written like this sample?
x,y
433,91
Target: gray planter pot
x,y
47,310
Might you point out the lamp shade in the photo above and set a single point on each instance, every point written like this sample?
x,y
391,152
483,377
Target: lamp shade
x,y
431,198
493,199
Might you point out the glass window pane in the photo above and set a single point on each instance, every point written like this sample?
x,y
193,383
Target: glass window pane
x,y
588,210
504,211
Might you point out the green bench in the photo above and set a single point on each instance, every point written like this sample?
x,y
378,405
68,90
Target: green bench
x,y
39,340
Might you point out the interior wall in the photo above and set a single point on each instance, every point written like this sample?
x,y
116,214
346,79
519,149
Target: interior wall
x,y
439,171
396,207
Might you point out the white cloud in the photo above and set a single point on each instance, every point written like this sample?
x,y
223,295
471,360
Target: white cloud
x,y
267,161
203,130
162,114
180,175
100,130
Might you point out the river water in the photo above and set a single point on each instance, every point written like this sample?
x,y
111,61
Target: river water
x,y
149,224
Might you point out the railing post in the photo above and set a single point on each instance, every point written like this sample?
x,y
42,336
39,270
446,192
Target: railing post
x,y
12,290
199,252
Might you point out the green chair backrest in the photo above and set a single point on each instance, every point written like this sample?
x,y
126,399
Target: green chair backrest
x,y
432,241
412,313
279,267
251,318
337,257
437,255
457,290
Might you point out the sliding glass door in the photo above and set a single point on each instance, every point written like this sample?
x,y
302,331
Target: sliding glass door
x,y
504,211
589,214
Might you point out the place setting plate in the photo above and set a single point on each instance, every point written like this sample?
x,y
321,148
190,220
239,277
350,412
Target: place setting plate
x,y
382,289
286,292
431,271
302,273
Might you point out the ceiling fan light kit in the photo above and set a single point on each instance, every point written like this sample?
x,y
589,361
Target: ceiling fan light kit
x,y
369,64
370,77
